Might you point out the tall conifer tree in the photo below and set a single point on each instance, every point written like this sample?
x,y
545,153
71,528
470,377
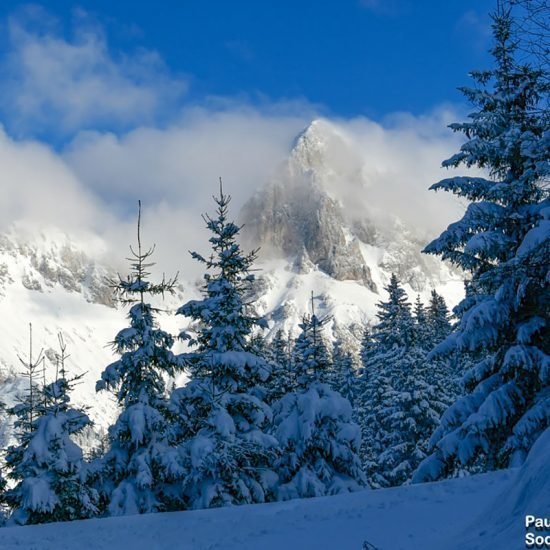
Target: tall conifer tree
x,y
320,442
223,420
138,474
503,240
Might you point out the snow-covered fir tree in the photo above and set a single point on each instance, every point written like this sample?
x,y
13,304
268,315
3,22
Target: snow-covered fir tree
x,y
368,348
47,466
503,240
278,353
402,394
374,391
395,325
382,346
409,412
422,332
320,441
437,319
223,419
403,409
140,470
344,372
311,361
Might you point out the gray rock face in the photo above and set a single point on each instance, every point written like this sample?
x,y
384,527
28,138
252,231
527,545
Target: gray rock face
x,y
299,216
403,256
75,272
295,217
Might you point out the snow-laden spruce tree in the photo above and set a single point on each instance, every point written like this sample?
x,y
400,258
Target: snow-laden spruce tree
x,y
384,356
402,412
140,470
407,414
395,323
382,351
278,354
403,394
374,393
437,319
311,360
422,329
223,421
344,378
47,466
320,441
503,240
366,351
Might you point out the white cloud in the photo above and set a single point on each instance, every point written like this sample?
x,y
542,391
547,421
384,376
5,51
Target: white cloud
x,y
39,188
243,145
92,185
59,85
175,171
397,162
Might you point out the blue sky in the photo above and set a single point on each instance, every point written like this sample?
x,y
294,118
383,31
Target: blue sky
x,y
103,103
346,57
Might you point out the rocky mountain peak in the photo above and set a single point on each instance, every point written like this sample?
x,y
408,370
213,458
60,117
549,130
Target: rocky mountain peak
x,y
313,214
324,152
296,216
311,145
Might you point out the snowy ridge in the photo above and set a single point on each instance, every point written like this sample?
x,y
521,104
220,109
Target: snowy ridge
x,y
48,279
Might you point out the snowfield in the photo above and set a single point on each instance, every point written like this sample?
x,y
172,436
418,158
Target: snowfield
x,y
484,512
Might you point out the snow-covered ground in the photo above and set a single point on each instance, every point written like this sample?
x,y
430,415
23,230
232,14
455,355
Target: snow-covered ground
x,y
485,512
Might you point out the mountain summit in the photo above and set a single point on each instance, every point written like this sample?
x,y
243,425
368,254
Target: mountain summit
x,y
296,215
313,213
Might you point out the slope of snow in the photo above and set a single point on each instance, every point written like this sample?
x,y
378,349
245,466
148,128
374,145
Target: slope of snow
x,y
48,280
482,512
284,295
428,517
529,494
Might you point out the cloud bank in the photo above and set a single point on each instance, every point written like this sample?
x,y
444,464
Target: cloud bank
x,y
116,150
388,167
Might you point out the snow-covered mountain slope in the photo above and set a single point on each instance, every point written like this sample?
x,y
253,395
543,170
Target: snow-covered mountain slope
x,y
54,283
50,282
481,512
